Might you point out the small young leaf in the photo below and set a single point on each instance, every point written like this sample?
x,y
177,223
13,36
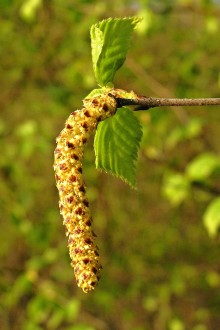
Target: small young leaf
x,y
211,217
110,40
116,144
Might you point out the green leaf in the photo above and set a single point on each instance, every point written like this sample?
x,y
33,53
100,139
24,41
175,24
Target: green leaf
x,y
110,40
116,144
211,217
203,166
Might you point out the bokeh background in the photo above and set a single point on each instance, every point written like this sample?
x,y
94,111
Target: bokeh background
x,y
161,269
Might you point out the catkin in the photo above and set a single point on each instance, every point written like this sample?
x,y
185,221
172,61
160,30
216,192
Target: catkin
x,y
73,202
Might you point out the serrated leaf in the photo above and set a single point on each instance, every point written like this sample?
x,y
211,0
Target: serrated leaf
x,y
117,141
203,166
110,40
211,217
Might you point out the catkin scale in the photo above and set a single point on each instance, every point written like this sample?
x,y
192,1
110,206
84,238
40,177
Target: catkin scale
x,y
73,202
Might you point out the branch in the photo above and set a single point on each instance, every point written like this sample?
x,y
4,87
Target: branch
x,y
145,103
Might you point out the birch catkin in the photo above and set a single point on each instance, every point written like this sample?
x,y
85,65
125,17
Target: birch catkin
x,y
74,204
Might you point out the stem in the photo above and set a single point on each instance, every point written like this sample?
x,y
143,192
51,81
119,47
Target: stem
x,y
145,103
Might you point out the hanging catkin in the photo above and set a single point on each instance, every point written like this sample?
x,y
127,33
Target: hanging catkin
x,y
74,204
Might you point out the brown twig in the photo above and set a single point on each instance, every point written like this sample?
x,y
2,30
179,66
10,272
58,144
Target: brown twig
x,y
145,103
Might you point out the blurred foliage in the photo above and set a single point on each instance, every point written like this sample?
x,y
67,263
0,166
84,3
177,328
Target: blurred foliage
x,y
161,269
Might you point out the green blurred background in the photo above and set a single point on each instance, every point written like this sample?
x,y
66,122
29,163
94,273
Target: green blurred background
x,y
161,270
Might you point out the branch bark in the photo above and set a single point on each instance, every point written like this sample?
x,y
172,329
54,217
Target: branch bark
x,y
145,103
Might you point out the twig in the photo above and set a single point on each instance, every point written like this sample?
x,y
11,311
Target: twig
x,y
145,103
